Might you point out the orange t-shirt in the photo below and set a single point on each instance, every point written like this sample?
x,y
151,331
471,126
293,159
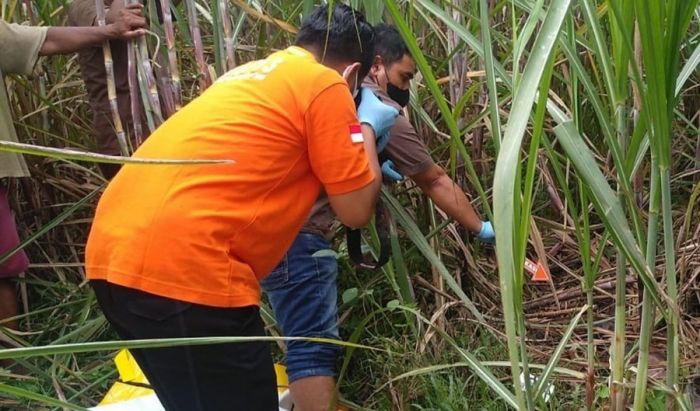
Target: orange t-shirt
x,y
207,234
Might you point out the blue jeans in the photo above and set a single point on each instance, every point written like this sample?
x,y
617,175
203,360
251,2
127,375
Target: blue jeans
x,y
303,294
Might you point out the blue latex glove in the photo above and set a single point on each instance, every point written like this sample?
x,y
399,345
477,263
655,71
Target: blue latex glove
x,y
486,234
383,141
378,115
390,172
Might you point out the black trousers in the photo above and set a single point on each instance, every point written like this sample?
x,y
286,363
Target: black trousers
x,y
236,376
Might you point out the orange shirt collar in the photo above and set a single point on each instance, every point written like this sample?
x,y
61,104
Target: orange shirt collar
x,y
300,51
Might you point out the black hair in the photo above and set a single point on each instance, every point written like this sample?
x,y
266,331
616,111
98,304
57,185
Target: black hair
x,y
389,44
339,36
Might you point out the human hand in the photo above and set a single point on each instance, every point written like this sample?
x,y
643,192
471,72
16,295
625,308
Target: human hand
x,y
378,115
486,234
113,11
126,21
390,172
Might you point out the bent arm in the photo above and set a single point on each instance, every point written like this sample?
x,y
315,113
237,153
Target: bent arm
x,y
447,195
355,209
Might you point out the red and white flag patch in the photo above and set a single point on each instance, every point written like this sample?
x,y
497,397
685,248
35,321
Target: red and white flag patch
x,y
356,133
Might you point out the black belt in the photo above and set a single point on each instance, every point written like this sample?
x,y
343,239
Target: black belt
x,y
354,240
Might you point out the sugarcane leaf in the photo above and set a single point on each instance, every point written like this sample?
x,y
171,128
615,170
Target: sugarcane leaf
x,y
50,225
30,395
688,69
25,352
373,11
264,17
465,36
607,204
542,381
505,178
490,63
402,277
472,362
70,154
417,237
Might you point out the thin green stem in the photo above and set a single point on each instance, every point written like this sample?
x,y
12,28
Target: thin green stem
x,y
673,351
648,309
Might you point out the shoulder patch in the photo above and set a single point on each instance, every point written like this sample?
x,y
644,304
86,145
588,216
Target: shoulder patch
x,y
356,133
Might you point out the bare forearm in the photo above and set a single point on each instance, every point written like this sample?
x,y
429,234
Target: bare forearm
x,y
63,40
452,200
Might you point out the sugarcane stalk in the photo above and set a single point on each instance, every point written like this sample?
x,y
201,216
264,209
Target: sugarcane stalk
x,y
673,349
527,384
617,388
619,87
589,275
617,392
140,87
228,37
438,281
648,309
161,66
42,92
172,53
146,72
217,35
143,89
111,87
661,45
160,89
134,89
204,77
697,150
583,233
134,92
590,353
164,84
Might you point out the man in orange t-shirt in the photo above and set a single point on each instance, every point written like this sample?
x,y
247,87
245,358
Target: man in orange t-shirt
x,y
178,251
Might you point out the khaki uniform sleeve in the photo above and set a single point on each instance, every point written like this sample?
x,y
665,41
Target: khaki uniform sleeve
x,y
406,149
19,47
337,159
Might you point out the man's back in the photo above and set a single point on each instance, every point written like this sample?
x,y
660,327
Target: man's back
x,y
207,233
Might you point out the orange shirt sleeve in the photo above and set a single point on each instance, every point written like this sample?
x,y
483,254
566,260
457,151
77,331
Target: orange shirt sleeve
x,y
336,152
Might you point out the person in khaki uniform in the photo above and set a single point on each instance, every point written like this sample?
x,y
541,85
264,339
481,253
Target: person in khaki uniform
x,y
20,47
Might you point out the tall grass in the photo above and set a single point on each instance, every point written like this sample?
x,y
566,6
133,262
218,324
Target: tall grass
x,y
575,121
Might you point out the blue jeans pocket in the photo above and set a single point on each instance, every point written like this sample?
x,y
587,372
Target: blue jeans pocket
x,y
278,278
